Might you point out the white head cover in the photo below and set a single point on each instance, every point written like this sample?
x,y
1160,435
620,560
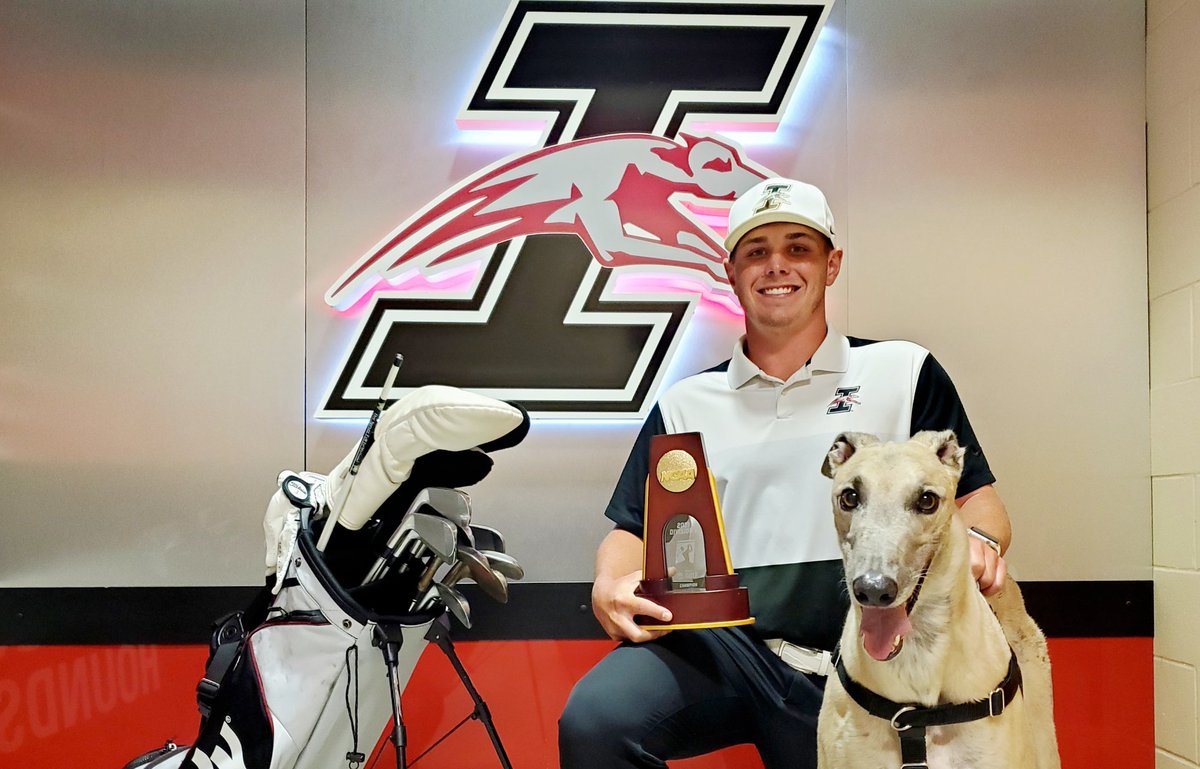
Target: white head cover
x,y
427,419
778,200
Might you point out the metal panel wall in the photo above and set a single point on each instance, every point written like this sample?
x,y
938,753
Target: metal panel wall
x,y
152,332
180,188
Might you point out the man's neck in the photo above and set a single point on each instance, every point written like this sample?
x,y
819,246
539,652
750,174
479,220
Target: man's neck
x,y
783,354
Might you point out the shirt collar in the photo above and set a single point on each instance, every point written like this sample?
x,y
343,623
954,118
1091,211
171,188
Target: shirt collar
x,y
832,356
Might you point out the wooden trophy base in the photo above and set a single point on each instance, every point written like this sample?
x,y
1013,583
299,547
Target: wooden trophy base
x,y
721,603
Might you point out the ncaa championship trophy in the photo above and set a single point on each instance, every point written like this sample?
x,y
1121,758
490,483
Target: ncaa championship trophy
x,y
685,559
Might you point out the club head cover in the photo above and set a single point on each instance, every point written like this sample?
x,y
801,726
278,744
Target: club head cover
x,y
428,419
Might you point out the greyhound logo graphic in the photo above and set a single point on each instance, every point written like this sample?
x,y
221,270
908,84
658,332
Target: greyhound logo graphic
x,y
621,194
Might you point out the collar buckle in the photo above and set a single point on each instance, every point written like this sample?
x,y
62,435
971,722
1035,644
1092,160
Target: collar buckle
x,y
902,727
996,702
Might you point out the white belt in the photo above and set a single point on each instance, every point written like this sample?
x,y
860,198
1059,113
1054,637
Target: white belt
x,y
802,658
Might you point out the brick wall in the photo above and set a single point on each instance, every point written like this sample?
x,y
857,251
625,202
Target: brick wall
x,y
1173,140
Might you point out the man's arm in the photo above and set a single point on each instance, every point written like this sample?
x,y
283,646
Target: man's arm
x,y
983,509
618,571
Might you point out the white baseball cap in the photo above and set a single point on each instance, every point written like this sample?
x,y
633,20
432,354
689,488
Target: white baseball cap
x,y
779,200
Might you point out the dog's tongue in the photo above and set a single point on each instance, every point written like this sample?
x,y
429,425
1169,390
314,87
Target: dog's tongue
x,y
880,627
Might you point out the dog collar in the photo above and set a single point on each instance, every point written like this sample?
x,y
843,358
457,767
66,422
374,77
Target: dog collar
x,y
910,720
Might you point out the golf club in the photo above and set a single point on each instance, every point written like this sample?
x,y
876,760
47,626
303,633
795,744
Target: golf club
x,y
455,602
504,563
364,443
427,531
492,583
487,538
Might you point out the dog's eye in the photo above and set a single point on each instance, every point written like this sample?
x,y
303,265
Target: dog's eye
x,y
848,499
928,502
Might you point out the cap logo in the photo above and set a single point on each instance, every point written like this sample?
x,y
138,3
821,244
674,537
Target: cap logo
x,y
774,196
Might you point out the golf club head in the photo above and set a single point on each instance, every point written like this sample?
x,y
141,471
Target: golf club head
x,y
504,563
416,533
455,603
426,597
492,583
437,534
487,538
451,504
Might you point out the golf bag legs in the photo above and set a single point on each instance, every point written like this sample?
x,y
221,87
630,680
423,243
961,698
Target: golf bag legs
x,y
389,644
439,633
389,640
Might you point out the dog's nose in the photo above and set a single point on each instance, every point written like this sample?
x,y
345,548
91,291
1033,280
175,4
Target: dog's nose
x,y
874,589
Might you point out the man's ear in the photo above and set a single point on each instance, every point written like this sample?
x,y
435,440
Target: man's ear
x,y
843,448
834,267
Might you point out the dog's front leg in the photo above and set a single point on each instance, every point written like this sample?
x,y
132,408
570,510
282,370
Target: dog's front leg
x,y
850,738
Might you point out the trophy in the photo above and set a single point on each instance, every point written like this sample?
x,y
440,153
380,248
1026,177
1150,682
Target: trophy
x,y
685,559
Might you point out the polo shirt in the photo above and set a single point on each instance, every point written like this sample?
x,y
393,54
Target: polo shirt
x,y
765,440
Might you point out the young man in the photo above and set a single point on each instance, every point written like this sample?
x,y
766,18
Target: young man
x,y
767,416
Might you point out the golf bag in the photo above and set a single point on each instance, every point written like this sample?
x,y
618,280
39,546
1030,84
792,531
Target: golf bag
x,y
310,674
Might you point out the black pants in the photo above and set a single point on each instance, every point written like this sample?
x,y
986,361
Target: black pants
x,y
688,693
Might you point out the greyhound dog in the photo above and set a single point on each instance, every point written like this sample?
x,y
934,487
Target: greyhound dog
x,y
930,673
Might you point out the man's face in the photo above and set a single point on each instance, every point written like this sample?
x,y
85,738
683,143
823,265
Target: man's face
x,y
779,272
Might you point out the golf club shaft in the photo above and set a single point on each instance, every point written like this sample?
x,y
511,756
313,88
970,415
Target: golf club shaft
x,y
364,443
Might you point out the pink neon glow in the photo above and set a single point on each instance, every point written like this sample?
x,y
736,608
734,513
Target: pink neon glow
x,y
700,208
457,279
715,217
732,126
658,284
720,223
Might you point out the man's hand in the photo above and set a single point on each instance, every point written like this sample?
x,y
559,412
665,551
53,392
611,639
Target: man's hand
x,y
614,604
984,509
987,567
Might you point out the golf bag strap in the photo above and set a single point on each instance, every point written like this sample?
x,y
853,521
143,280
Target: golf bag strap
x,y
227,639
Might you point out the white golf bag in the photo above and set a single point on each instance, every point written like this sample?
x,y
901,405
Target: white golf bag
x,y
310,675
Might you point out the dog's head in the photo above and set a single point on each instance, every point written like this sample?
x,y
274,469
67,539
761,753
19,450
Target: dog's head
x,y
892,504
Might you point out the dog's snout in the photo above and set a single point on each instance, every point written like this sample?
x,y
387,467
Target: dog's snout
x,y
874,589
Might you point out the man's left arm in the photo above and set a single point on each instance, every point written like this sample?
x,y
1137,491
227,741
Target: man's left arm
x,y
984,510
936,406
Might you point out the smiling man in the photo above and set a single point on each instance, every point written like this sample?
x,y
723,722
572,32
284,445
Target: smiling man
x,y
768,416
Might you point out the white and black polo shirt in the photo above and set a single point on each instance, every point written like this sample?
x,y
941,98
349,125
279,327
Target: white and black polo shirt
x,y
765,440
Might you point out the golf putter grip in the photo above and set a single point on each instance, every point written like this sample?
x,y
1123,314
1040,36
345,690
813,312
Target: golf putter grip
x,y
368,436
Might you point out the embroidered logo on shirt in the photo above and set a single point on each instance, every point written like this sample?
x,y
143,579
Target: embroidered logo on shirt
x,y
844,400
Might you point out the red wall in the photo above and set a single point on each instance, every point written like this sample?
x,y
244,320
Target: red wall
x,y
99,706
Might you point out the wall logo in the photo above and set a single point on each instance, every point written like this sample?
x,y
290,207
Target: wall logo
x,y
607,189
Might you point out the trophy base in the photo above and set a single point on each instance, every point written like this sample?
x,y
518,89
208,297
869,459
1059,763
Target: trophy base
x,y
693,609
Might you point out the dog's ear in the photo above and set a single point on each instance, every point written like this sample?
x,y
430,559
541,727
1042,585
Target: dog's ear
x,y
843,448
945,444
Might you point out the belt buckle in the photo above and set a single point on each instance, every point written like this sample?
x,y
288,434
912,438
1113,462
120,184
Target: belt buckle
x,y
806,660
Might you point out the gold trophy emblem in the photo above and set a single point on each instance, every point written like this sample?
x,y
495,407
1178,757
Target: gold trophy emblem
x,y
685,565
676,470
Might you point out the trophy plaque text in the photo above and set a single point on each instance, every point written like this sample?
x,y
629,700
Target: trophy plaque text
x,y
685,564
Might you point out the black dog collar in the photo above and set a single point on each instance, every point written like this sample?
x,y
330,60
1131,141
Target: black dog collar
x,y
910,720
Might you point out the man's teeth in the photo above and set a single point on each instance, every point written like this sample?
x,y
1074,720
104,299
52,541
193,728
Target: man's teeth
x,y
778,290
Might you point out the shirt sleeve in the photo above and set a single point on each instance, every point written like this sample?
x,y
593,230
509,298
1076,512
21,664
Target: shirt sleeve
x,y
936,406
627,507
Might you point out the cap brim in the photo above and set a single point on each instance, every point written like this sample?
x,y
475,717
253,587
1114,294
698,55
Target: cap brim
x,y
770,217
